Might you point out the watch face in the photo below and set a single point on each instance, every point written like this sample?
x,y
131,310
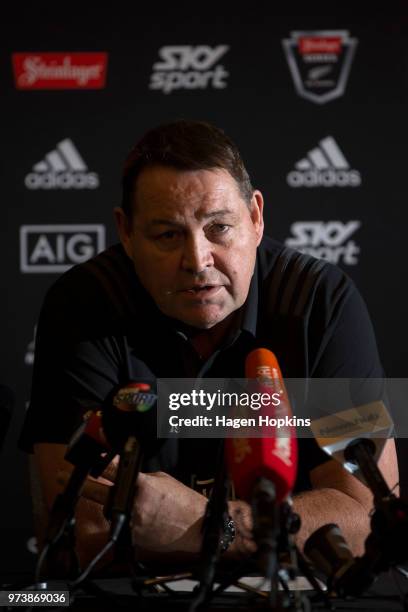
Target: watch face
x,y
229,534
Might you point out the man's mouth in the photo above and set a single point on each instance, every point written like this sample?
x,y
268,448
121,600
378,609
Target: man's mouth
x,y
198,288
201,290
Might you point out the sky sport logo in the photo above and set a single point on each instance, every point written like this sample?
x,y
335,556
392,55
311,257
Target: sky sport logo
x,y
324,166
59,70
55,248
329,240
62,168
189,67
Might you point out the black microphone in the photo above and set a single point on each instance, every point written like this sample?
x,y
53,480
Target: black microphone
x,y
129,419
361,453
6,407
129,422
103,434
345,575
89,452
329,551
356,437
127,409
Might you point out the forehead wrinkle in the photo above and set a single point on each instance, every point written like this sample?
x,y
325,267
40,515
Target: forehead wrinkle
x,y
165,193
179,202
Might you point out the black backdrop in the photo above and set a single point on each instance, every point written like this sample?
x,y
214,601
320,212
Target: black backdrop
x,y
62,151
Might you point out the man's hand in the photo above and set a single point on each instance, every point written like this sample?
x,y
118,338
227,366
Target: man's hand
x,y
339,497
168,516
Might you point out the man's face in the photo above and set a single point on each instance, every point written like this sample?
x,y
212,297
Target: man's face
x,y
193,242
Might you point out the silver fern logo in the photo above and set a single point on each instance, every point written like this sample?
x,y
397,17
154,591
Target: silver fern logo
x,y
320,63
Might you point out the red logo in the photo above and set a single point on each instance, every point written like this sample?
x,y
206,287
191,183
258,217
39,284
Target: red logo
x,y
315,44
60,70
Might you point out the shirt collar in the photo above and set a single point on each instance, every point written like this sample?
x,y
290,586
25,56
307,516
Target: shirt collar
x,y
250,308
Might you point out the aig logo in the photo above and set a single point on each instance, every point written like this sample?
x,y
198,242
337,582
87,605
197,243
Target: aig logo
x,y
188,67
55,248
326,240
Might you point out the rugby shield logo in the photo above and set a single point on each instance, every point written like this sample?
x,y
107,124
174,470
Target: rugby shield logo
x,y
320,62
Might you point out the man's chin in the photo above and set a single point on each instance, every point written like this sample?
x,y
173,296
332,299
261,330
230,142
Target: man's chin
x,y
202,323
202,319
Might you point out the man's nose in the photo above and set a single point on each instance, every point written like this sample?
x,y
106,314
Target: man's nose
x,y
197,254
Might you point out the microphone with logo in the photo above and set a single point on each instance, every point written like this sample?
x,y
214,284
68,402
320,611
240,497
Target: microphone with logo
x,y
103,434
129,420
130,424
263,470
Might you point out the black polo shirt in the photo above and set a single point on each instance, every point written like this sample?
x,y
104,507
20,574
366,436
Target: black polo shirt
x,y
98,328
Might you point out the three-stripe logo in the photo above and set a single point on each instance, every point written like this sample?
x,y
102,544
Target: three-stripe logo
x,y
324,166
62,168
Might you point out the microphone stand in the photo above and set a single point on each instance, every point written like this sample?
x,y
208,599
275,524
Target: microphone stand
x,y
385,546
266,513
59,549
288,524
213,528
119,509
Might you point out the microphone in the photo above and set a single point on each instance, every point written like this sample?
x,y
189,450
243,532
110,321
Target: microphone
x,y
356,438
6,407
354,442
263,470
127,409
104,434
130,423
273,457
328,550
88,443
90,453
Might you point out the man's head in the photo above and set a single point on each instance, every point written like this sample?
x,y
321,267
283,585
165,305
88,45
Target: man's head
x,y
190,221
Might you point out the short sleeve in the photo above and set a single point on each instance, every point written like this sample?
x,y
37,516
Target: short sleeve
x,y
75,365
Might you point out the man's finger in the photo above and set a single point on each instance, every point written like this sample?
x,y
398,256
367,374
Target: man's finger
x,y
110,471
93,490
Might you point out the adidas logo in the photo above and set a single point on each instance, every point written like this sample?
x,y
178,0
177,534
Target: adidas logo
x,y
62,168
324,166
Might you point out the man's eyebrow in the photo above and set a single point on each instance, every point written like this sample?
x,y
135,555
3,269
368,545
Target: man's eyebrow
x,y
218,213
164,222
209,215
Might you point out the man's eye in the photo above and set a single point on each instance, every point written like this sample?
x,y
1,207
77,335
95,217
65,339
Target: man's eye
x,y
219,228
168,236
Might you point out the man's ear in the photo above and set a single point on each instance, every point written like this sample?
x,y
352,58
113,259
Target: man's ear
x,y
256,212
124,229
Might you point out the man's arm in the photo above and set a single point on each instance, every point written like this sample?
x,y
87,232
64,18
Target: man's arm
x,y
167,516
91,525
338,497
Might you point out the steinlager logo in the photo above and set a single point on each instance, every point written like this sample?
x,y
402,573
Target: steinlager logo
x,y
59,70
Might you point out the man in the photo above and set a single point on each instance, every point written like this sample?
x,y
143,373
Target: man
x,y
192,289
